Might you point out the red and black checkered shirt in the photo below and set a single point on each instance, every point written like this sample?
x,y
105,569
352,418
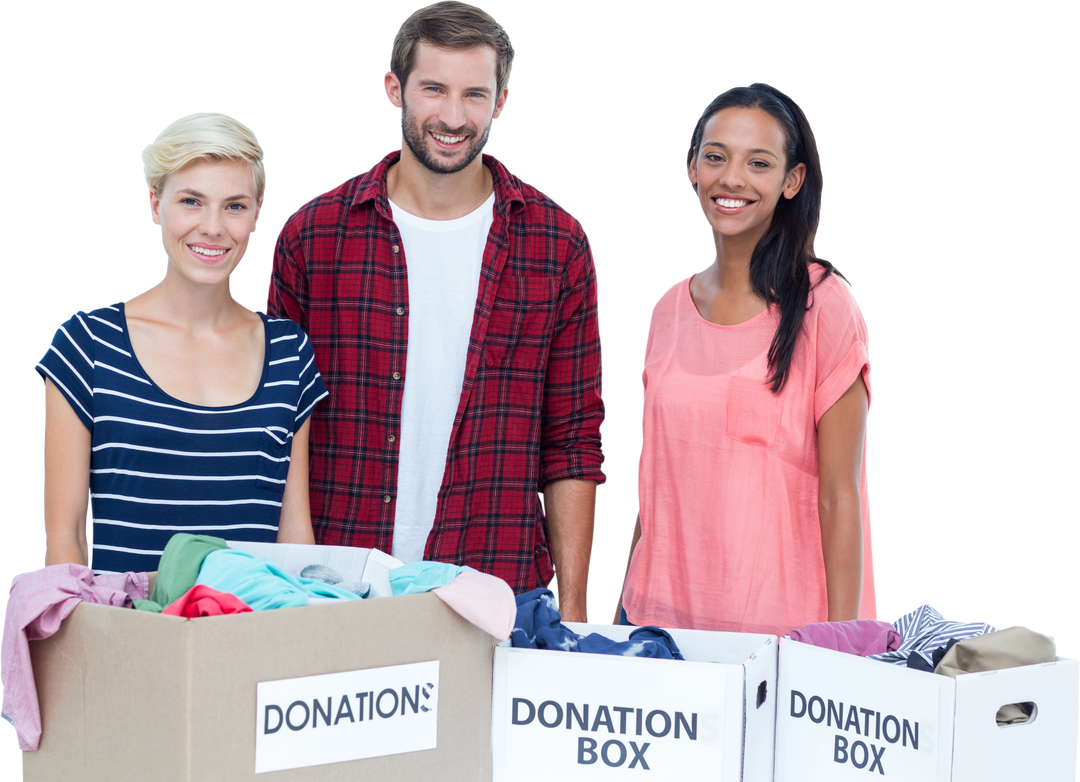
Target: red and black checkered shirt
x,y
530,407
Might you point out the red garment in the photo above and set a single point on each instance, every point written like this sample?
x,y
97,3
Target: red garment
x,y
863,637
202,600
530,407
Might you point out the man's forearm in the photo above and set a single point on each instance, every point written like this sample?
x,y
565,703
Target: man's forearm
x,y
569,505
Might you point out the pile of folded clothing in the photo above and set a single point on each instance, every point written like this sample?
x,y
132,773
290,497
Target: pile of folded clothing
x,y
203,576
926,641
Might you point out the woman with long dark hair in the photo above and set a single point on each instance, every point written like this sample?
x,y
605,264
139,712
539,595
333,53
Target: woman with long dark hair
x,y
753,505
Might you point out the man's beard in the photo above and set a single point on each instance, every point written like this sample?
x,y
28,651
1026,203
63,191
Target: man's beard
x,y
416,139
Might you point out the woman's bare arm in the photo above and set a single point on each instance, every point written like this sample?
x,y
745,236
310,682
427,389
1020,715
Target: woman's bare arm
x,y
295,523
840,447
67,480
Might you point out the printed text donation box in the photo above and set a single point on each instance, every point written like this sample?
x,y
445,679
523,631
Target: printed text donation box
x,y
312,720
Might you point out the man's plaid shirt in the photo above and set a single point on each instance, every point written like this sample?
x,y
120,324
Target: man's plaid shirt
x,y
530,407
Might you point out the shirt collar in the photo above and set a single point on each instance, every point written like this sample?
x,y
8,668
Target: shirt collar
x,y
372,186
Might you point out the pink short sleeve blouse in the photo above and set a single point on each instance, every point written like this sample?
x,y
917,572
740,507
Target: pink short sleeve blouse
x,y
728,481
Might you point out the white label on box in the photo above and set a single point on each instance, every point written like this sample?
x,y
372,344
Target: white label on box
x,y
586,716
336,717
840,718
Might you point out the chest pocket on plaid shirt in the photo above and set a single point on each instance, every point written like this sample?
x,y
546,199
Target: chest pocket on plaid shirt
x,y
522,317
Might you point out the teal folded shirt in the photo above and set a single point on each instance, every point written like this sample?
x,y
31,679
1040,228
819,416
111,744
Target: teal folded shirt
x,y
261,583
417,577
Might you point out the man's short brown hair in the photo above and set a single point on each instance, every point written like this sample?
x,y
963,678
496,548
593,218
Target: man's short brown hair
x,y
451,25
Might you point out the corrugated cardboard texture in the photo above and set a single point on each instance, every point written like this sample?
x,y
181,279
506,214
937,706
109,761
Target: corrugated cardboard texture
x,y
130,695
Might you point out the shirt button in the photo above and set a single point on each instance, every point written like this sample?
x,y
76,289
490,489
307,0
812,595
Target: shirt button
x,y
396,248
390,439
400,310
397,376
386,498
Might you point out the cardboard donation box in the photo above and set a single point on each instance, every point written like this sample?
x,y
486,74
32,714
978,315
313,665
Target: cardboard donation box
x,y
385,689
574,716
842,717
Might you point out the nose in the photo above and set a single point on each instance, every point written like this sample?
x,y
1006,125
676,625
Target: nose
x,y
734,177
453,113
212,224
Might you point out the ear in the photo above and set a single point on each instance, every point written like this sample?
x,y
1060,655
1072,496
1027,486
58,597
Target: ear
x,y
692,172
393,89
258,217
794,181
155,205
258,211
500,102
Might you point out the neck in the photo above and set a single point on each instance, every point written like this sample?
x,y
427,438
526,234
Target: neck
x,y
433,196
189,305
732,266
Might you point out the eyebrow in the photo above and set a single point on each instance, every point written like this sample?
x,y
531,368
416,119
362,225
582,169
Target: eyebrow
x,y
752,151
197,194
433,83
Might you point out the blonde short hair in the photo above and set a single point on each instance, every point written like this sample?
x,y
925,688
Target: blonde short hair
x,y
202,137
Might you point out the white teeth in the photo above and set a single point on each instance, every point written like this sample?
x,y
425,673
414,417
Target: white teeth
x,y
448,139
731,203
206,251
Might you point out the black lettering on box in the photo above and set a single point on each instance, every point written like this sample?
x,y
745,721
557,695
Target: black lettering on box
x,y
836,712
266,720
317,710
689,727
914,736
586,751
877,759
623,711
558,714
649,724
344,710
802,705
603,717
413,701
639,755
288,715
622,753
515,719
572,716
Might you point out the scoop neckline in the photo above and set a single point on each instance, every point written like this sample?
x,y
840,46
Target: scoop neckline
x,y
167,395
723,326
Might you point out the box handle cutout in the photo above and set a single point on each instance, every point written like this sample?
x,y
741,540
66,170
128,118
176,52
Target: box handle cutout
x,y
761,692
1012,714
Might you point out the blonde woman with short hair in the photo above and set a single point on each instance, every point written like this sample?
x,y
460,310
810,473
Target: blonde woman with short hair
x,y
180,410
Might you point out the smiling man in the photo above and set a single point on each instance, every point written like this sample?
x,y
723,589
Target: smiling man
x,y
453,312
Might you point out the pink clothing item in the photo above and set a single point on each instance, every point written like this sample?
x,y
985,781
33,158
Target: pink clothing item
x,y
863,637
202,600
728,485
484,600
39,602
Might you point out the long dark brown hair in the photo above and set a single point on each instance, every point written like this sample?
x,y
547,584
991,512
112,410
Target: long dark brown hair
x,y
779,266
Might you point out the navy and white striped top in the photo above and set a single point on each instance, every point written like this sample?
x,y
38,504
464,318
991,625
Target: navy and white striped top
x,y
161,466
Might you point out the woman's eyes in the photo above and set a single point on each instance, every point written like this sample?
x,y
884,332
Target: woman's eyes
x,y
229,208
715,158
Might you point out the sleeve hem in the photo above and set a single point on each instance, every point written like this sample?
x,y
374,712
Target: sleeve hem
x,y
854,364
